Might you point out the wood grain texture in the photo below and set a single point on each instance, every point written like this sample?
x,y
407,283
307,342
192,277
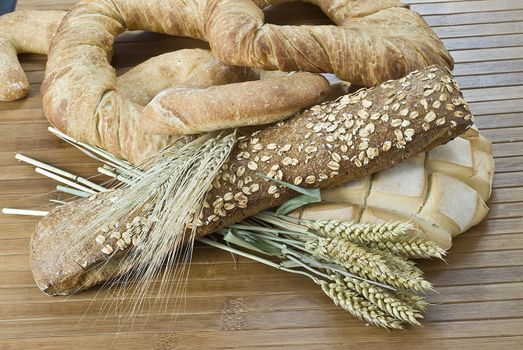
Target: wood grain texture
x,y
247,305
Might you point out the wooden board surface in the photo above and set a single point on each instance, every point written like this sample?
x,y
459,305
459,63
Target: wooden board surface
x,y
480,300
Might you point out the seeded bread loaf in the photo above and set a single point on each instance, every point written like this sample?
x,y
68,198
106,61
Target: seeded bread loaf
x,y
324,146
443,191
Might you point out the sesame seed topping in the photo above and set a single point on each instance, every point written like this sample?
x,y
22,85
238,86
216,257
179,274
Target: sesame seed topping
x,y
363,145
252,165
363,114
286,147
372,152
229,206
399,134
257,147
240,171
409,133
311,149
396,122
413,115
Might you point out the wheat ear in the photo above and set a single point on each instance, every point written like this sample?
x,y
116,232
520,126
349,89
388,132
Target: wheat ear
x,y
385,300
411,247
361,233
358,306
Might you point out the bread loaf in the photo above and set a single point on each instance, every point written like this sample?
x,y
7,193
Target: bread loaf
x,y
372,41
23,32
443,191
324,146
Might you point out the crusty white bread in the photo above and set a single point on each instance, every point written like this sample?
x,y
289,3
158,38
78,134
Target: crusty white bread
x,y
23,32
373,41
443,191
190,110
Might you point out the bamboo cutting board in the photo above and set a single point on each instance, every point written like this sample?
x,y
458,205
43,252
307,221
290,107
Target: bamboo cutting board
x,y
246,305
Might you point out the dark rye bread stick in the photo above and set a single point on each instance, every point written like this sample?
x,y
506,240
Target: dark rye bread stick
x,y
325,146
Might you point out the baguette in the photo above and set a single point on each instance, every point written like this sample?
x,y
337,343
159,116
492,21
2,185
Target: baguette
x,y
324,146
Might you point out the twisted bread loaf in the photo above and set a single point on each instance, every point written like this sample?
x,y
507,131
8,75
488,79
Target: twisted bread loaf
x,y
78,69
443,191
372,41
110,119
324,146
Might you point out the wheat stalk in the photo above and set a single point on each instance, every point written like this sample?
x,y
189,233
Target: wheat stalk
x,y
358,306
361,267
361,233
411,247
346,253
385,300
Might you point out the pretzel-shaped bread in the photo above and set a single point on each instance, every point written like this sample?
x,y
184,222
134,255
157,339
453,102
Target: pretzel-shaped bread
x,y
78,69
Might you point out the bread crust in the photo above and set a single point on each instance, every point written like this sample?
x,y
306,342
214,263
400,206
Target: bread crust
x,y
185,110
326,141
372,41
23,32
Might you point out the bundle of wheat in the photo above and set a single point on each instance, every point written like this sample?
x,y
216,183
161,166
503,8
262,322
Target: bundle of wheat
x,y
346,259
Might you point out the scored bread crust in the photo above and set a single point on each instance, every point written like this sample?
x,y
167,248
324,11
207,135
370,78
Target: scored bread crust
x,y
324,146
443,191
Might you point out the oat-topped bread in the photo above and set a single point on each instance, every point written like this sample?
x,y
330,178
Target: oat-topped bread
x,y
443,191
322,147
